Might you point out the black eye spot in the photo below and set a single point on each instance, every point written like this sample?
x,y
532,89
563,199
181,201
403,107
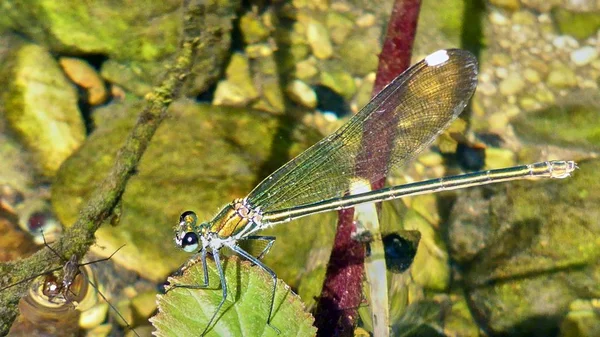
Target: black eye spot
x,y
189,239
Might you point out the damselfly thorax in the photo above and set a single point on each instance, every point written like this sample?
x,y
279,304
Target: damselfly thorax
x,y
236,219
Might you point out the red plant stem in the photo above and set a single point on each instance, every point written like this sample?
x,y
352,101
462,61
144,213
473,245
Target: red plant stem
x,y
337,308
397,47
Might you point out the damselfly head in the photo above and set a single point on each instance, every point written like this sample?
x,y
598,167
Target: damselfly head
x,y
186,236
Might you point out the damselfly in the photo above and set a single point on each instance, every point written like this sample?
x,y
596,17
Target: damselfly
x,y
411,111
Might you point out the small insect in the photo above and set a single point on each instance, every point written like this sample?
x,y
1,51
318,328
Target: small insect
x,y
58,291
411,111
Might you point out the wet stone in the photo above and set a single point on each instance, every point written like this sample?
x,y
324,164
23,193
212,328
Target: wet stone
x,y
512,85
506,4
512,244
583,319
238,89
40,106
339,81
360,51
85,76
339,26
524,17
578,126
127,75
498,18
565,42
584,55
532,76
318,39
501,59
301,93
144,304
80,28
529,103
94,316
253,29
561,77
580,25
305,69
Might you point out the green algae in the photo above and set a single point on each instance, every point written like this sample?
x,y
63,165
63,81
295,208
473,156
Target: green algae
x,y
573,125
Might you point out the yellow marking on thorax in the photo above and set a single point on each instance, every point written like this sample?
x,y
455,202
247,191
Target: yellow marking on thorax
x,y
228,222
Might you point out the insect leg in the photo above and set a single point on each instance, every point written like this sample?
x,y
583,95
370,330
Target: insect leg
x,y
223,286
264,267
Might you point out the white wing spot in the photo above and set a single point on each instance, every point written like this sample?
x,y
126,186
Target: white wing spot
x,y
437,58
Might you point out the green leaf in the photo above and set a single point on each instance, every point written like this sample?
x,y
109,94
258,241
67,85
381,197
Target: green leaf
x,y
186,312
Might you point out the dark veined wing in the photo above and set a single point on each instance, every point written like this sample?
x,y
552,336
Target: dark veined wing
x,y
423,101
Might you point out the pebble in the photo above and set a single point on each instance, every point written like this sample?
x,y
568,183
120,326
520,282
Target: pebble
x,y
507,4
259,50
431,159
487,88
144,304
511,110
525,18
94,316
339,27
238,89
512,84
498,122
529,104
302,93
501,72
588,84
564,41
306,69
318,39
532,76
544,96
499,157
501,59
545,18
339,81
84,75
366,20
228,93
103,330
584,55
498,18
561,77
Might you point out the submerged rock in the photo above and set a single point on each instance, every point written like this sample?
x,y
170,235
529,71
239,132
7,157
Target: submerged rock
x,y
571,124
528,250
40,106
201,158
141,37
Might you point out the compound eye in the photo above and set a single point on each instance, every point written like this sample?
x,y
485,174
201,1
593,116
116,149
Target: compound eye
x,y
188,218
190,242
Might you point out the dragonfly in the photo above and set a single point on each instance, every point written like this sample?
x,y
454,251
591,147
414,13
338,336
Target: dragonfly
x,y
65,289
413,109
